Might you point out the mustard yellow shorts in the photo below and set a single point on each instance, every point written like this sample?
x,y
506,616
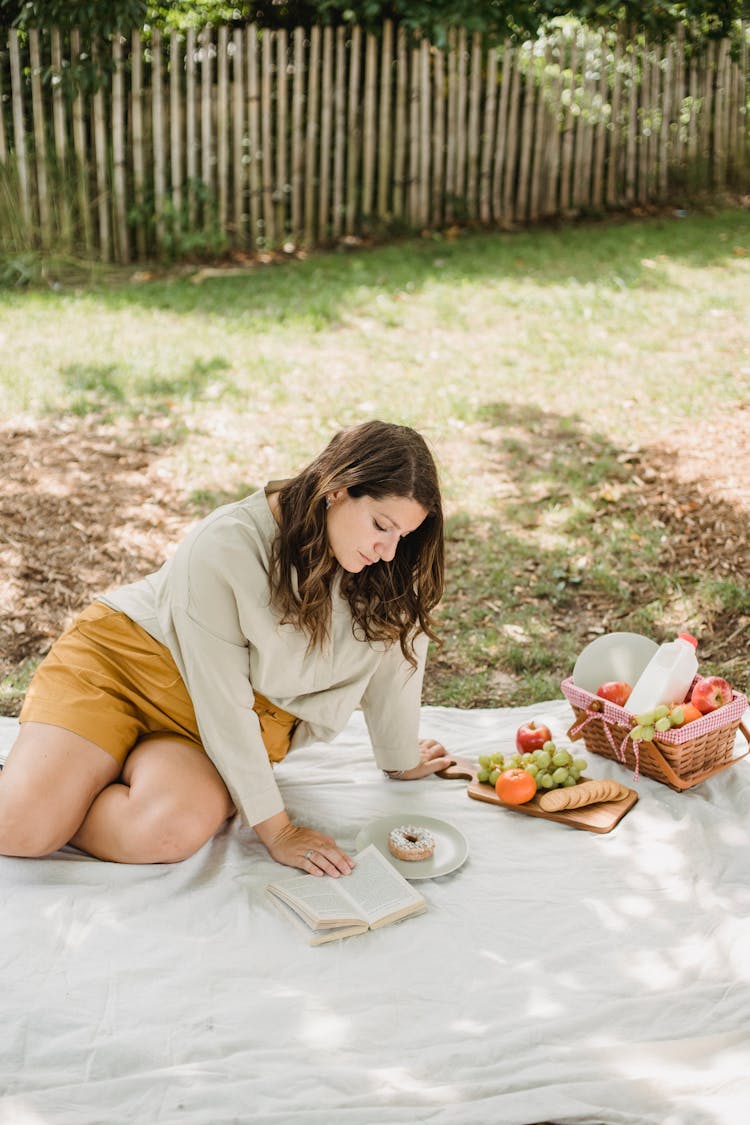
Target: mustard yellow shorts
x,y
108,680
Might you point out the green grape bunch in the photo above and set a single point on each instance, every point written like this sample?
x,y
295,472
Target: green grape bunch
x,y
650,723
551,767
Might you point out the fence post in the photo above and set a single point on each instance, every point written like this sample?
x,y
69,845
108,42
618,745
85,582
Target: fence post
x,y
80,149
222,127
340,131
368,126
437,208
3,142
568,137
460,175
414,91
326,128
399,144
122,250
521,210
352,167
191,130
425,140
298,156
473,139
282,139
450,146
238,134
511,144
488,131
643,147
206,111
745,111
552,156
40,143
613,160
136,119
253,132
157,136
666,103
720,132
540,138
384,123
631,137
101,158
678,134
266,131
600,141
311,135
175,130
585,128
19,128
707,132
501,135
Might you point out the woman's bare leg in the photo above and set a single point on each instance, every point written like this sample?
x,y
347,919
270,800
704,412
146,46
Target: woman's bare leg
x,y
47,786
169,802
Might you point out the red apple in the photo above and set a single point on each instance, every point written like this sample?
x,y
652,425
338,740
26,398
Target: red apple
x,y
531,736
616,691
710,693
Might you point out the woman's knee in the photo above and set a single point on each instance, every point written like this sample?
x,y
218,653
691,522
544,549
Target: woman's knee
x,y
46,787
178,800
26,828
172,830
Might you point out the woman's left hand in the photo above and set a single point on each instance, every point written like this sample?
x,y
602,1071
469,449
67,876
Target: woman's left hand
x,y
434,757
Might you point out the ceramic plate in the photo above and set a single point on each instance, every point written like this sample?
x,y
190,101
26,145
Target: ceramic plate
x,y
613,656
451,846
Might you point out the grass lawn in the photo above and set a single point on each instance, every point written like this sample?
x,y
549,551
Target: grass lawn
x,y
581,388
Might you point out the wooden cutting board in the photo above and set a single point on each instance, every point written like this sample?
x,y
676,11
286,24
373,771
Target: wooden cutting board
x,y
601,817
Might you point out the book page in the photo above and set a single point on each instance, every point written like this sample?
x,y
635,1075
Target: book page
x,y
321,898
377,888
316,937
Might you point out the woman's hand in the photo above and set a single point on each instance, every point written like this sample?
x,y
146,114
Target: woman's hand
x,y
433,758
305,848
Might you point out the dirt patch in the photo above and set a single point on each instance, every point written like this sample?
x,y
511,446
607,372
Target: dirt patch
x,y
83,507
705,509
697,486
707,503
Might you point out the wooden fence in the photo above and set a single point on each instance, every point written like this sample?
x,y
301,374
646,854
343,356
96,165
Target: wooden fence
x,y
249,139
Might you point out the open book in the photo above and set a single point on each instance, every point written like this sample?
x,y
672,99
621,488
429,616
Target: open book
x,y
374,895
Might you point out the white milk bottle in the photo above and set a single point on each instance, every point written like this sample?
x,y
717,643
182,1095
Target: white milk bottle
x,y
667,676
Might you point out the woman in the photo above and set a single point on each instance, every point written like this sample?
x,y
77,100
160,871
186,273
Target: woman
x,y
159,713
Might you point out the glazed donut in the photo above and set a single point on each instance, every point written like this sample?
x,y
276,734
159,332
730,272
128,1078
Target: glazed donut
x,y
411,843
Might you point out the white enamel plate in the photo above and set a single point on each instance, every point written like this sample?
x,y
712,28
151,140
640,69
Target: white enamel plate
x,y
451,846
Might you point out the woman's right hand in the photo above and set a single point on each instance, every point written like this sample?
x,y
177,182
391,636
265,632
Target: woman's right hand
x,y
296,846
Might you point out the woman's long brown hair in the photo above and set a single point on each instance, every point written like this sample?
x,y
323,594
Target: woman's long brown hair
x,y
391,601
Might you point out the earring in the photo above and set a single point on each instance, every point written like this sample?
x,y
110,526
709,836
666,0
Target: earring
x,y
328,501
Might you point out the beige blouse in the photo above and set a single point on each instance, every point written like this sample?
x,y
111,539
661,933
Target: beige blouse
x,y
209,604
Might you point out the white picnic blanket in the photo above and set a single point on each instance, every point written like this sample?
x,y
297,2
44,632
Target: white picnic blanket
x,y
558,976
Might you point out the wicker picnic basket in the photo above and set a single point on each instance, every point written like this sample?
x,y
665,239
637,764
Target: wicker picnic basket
x,y
681,757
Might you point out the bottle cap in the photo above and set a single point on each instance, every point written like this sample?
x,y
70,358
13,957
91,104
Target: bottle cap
x,y
688,637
